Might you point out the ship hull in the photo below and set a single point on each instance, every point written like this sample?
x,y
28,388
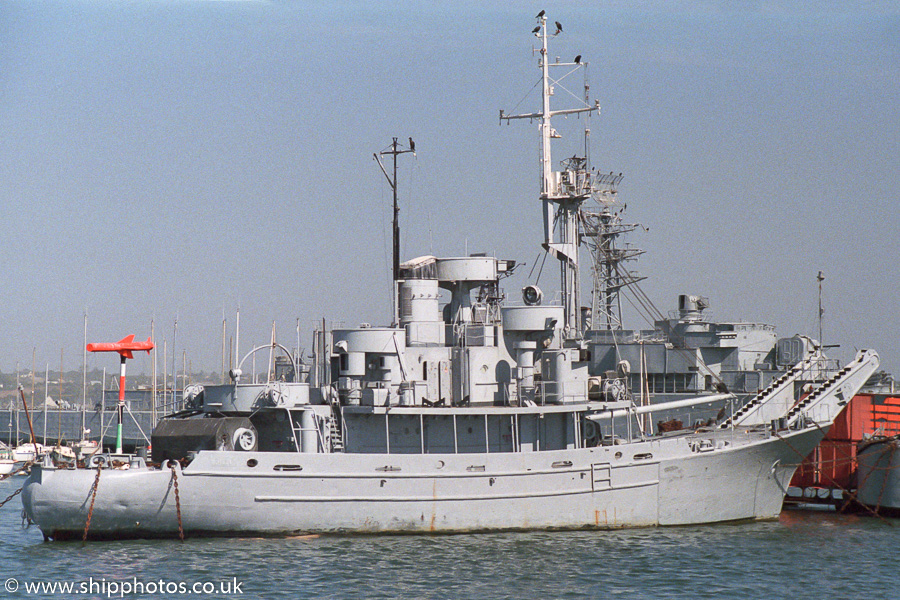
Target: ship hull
x,y
878,476
674,481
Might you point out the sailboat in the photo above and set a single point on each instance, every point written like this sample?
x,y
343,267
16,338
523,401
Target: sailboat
x,y
7,462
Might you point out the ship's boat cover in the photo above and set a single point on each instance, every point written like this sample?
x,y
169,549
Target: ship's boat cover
x,y
173,439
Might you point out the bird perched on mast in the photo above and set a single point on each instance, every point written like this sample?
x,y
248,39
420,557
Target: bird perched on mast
x,y
578,60
558,28
540,14
536,29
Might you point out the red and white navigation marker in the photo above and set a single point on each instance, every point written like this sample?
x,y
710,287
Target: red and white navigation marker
x,y
125,347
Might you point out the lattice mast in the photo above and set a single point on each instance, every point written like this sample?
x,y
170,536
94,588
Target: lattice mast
x,y
602,227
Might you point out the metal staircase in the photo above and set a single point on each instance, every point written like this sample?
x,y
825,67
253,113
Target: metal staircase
x,y
831,397
823,404
336,428
784,384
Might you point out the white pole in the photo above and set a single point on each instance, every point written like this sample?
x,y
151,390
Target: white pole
x,y
165,374
84,380
174,359
153,392
102,409
46,393
641,410
184,380
237,339
224,328
271,353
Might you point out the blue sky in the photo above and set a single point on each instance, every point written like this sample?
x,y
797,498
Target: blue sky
x,y
167,160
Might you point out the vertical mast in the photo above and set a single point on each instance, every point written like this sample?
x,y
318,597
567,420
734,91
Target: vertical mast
x,y
394,151
84,382
237,339
103,409
46,393
396,221
224,333
562,192
174,362
546,130
58,404
120,405
820,278
298,357
33,367
165,375
154,394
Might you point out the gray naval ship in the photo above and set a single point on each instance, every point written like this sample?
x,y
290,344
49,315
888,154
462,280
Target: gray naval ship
x,y
481,414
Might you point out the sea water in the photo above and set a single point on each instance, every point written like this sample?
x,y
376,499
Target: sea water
x,y
801,555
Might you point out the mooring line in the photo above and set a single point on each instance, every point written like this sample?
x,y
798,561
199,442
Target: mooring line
x,y
94,489
177,500
853,496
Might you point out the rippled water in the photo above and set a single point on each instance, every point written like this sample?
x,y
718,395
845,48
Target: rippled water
x,y
803,555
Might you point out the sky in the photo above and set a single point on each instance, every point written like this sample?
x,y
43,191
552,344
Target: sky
x,y
170,161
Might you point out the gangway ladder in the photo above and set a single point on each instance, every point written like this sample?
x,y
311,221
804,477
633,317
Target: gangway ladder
x,y
299,430
336,427
840,388
776,388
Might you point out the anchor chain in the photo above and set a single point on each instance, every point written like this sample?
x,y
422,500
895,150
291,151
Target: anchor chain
x,y
13,495
884,476
177,501
94,488
8,475
24,467
854,496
